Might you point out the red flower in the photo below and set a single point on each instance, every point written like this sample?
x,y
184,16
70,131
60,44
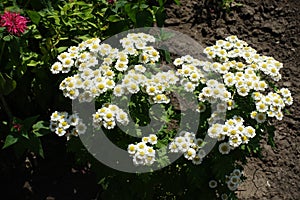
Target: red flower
x,y
111,1
14,23
17,127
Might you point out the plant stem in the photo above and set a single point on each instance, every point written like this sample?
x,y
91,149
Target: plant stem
x,y
2,50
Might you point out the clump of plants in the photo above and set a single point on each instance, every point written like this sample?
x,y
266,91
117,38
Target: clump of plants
x,y
236,94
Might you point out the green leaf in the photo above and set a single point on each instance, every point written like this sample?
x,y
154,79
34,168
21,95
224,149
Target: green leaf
x,y
130,12
144,19
61,49
161,3
34,16
160,17
7,38
28,122
143,6
114,18
7,84
33,63
39,129
10,140
177,2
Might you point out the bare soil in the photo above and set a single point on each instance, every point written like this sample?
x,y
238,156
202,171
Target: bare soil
x,y
272,27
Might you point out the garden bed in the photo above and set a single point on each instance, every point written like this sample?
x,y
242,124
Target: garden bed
x,y
271,27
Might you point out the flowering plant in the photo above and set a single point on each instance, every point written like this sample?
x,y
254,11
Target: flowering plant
x,y
236,94
14,23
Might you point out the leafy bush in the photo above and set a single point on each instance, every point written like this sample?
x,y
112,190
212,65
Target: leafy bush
x,y
52,26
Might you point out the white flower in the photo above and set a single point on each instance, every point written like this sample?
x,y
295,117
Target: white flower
x,y
150,151
121,66
212,184
237,172
189,87
131,149
261,107
56,67
81,128
122,117
53,125
60,131
249,131
235,141
178,61
133,87
140,68
190,154
55,116
173,147
260,117
224,148
63,124
118,90
109,124
151,90
152,139
197,160
201,153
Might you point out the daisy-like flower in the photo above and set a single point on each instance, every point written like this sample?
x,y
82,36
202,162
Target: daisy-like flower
x,y
109,124
189,86
152,139
260,117
118,90
60,131
212,184
197,160
190,154
131,149
81,128
173,147
56,68
224,196
224,148
14,23
122,117
261,107
56,116
235,141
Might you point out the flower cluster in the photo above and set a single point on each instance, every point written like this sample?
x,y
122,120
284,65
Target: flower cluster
x,y
63,124
233,180
271,104
241,67
143,153
231,49
189,145
241,72
214,91
234,129
108,115
14,23
190,73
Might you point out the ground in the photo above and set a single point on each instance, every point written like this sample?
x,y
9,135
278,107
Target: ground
x,y
271,27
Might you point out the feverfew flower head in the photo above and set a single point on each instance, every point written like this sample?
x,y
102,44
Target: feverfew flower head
x,y
15,23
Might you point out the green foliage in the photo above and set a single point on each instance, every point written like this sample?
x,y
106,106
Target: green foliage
x,y
25,136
